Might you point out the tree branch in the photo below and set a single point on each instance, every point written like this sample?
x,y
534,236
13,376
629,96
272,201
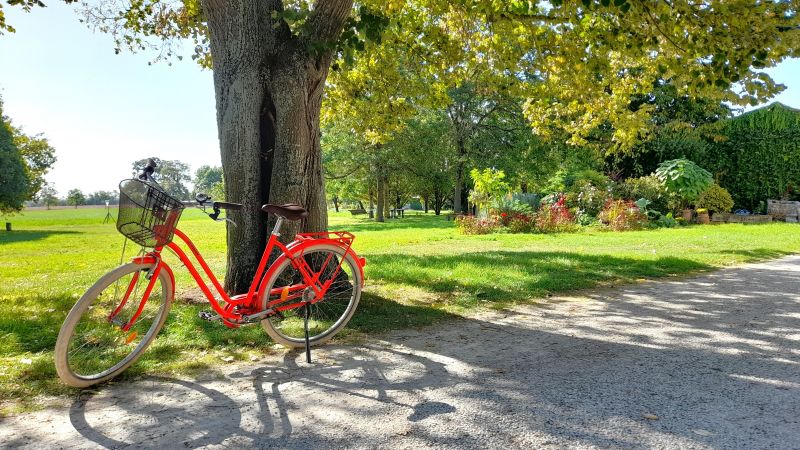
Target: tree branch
x,y
326,20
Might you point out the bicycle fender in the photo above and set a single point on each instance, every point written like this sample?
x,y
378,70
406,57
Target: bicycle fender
x,y
164,266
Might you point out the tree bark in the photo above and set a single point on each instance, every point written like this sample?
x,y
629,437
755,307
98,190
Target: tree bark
x,y
381,194
458,204
371,204
269,88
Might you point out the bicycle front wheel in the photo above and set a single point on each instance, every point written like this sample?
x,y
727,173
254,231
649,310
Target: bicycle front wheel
x,y
329,313
102,336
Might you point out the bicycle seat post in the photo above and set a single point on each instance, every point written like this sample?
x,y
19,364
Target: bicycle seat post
x,y
276,231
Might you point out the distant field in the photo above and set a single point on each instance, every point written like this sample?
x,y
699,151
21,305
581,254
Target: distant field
x,y
419,271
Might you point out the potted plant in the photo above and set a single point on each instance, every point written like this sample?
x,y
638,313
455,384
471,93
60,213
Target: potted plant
x,y
685,180
702,216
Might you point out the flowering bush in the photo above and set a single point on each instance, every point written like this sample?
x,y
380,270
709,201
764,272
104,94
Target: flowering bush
x,y
521,223
622,215
474,225
586,197
554,217
507,209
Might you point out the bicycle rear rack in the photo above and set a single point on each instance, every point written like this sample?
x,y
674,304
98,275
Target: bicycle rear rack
x,y
343,237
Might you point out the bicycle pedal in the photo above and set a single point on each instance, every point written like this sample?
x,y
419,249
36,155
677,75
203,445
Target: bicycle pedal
x,y
208,316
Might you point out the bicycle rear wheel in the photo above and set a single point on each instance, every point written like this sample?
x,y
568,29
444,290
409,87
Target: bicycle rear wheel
x,y
92,345
328,314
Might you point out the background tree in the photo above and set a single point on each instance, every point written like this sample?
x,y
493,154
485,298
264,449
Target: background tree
x,y
39,157
14,182
48,196
75,198
209,180
172,175
101,197
347,166
425,154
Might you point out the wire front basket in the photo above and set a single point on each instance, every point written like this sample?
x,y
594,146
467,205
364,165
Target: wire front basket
x,y
147,214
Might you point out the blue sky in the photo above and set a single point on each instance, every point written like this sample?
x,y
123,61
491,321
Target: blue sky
x,y
103,111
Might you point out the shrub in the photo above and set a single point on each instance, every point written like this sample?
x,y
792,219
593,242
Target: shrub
x,y
489,186
649,188
474,225
684,178
622,215
521,223
595,178
716,199
564,180
666,221
506,208
586,198
554,217
556,183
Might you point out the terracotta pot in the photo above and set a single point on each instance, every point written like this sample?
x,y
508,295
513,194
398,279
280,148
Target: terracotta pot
x,y
688,214
703,218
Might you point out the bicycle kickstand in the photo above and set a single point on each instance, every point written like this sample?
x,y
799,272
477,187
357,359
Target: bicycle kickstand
x,y
307,308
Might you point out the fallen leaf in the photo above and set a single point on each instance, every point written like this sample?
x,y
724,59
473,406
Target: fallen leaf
x,y
650,416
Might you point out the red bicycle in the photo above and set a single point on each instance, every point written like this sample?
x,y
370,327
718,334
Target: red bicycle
x,y
308,293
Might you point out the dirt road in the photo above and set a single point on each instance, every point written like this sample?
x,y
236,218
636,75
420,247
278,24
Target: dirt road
x,y
706,362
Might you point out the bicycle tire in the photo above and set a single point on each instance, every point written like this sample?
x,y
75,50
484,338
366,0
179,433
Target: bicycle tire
x,y
285,328
83,317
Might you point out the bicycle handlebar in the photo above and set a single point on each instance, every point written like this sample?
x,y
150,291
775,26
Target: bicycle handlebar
x,y
226,205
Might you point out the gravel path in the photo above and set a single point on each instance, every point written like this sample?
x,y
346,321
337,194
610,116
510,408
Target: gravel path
x,y
705,362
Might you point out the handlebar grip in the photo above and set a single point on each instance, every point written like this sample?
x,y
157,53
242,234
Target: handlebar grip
x,y
226,205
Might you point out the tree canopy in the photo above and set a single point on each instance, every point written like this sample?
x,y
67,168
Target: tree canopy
x,y
75,197
578,62
39,157
172,175
14,180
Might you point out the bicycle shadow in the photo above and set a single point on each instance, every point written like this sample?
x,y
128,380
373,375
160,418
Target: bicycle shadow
x,y
381,374
164,413
160,412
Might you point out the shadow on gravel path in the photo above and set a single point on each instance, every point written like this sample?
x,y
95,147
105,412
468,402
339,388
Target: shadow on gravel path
x,y
704,362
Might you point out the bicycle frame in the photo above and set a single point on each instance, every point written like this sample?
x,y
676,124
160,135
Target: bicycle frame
x,y
245,308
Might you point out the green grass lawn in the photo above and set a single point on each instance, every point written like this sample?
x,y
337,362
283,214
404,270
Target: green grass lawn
x,y
419,271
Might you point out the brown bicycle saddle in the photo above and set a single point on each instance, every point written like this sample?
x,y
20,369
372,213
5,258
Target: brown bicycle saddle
x,y
289,211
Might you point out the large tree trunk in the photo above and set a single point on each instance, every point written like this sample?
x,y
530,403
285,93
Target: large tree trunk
x,y
438,200
268,93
